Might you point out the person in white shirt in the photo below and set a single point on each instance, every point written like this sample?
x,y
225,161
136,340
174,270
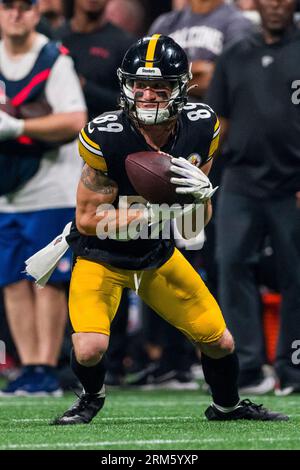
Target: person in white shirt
x,y
38,179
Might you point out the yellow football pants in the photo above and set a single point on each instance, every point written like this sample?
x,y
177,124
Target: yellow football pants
x,y
175,291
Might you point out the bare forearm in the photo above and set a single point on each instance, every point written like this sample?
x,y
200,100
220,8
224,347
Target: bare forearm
x,y
55,127
104,221
207,212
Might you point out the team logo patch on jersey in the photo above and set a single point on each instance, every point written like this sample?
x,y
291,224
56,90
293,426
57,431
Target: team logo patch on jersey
x,y
267,60
195,159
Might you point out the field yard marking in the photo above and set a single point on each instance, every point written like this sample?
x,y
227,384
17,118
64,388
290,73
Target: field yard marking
x,y
8,402
119,418
58,400
145,442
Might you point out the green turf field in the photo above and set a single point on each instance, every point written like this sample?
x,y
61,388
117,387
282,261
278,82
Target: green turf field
x,y
144,420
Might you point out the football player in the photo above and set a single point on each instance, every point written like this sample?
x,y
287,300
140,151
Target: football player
x,y
155,115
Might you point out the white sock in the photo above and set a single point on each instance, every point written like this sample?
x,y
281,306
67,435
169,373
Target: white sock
x,y
100,394
227,409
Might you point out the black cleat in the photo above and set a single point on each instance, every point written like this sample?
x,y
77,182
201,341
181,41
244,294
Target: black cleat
x,y
83,410
246,410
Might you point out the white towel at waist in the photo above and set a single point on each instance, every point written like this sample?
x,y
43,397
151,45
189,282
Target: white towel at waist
x,y
42,264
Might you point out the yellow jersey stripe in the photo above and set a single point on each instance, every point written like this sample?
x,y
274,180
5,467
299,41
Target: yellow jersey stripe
x,y
151,50
217,132
215,139
214,145
88,147
89,141
217,125
96,162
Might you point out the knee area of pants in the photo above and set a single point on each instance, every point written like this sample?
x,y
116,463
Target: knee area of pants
x,y
221,348
88,360
89,348
88,356
226,345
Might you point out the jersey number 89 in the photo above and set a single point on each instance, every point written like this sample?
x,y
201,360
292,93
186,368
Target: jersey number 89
x,y
111,126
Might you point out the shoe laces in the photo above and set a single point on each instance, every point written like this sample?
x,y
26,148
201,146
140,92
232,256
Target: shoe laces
x,y
249,404
83,400
77,407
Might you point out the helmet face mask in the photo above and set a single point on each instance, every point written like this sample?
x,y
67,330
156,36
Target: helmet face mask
x,y
164,70
170,98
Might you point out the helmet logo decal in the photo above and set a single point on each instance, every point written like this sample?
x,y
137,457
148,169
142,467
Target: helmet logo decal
x,y
155,71
151,50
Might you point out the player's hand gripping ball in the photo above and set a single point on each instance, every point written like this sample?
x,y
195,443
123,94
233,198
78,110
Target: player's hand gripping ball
x,y
150,175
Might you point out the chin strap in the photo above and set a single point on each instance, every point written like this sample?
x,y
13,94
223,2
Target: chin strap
x,y
152,116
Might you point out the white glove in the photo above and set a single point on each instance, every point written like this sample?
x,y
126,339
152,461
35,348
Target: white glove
x,y
158,215
10,127
193,181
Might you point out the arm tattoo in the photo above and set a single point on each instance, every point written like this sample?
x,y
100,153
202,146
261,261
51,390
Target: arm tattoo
x,y
96,181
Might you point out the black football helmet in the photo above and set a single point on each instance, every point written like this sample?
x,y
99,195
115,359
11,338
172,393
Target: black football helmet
x,y
155,57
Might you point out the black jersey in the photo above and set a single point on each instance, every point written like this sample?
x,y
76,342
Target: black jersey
x,y
104,144
97,55
256,87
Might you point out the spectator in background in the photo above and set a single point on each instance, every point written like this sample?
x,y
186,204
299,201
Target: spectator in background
x,y
202,29
52,11
37,185
246,5
97,48
129,15
248,9
254,91
179,4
